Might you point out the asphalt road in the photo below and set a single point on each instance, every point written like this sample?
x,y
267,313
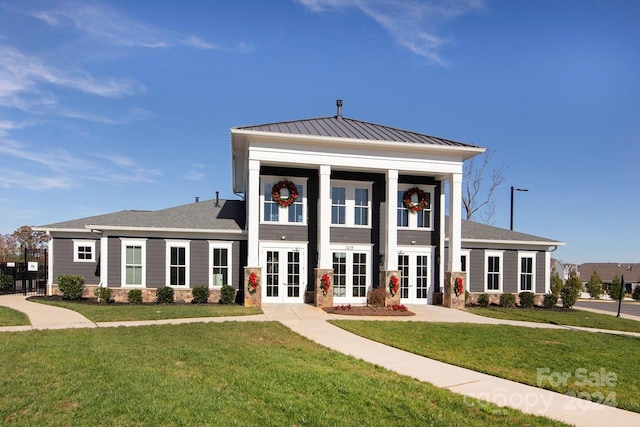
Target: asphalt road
x,y
628,307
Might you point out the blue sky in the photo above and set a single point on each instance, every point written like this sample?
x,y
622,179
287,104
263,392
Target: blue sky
x,y
117,105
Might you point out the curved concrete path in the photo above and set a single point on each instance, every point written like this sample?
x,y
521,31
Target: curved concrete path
x,y
312,323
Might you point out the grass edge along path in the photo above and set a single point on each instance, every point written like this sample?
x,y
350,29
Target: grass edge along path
x,y
129,312
581,318
582,364
11,317
231,373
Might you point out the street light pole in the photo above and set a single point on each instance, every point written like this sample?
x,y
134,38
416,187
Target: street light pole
x,y
512,190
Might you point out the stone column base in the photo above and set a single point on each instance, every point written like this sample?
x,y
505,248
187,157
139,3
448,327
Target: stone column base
x,y
390,300
450,299
255,299
323,299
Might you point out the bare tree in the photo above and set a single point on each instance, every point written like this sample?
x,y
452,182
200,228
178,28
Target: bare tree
x,y
476,198
29,239
8,248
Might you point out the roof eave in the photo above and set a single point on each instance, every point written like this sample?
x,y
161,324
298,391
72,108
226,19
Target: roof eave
x,y
466,151
165,229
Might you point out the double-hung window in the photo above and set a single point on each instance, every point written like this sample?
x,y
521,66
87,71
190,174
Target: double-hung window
x,y
84,250
493,269
465,257
526,271
177,261
274,212
133,261
220,263
350,203
422,219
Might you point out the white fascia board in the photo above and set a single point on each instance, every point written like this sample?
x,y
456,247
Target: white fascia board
x,y
505,244
353,159
61,230
209,231
463,152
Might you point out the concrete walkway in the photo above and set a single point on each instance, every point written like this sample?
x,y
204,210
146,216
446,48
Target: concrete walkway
x,y
312,323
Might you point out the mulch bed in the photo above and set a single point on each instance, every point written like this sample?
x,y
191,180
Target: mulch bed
x,y
94,301
367,311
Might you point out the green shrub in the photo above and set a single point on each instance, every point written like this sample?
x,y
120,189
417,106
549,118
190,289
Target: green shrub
x,y
507,300
636,293
549,301
483,300
103,294
134,296
377,296
71,287
6,281
227,294
616,288
527,299
164,295
594,285
556,282
200,294
569,295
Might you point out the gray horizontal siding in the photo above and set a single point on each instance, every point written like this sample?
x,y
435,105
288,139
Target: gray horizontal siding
x,y
476,270
114,270
63,262
541,272
199,274
297,233
510,267
350,235
156,263
421,237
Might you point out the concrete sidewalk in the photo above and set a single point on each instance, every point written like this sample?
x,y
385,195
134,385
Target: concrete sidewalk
x,y
312,323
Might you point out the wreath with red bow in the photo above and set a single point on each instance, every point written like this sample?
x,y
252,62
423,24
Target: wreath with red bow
x,y
325,283
422,199
394,284
458,286
252,286
284,201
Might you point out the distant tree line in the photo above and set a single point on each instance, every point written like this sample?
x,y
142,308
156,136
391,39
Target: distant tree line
x,y
12,245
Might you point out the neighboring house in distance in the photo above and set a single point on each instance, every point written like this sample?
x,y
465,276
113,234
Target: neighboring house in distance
x,y
358,200
608,270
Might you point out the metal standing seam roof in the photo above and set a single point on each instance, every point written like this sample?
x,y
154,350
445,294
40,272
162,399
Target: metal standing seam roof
x,y
342,127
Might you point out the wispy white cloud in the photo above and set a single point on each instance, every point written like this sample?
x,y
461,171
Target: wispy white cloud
x,y
196,173
105,23
133,115
25,81
412,23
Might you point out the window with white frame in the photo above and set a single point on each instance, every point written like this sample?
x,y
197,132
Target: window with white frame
x,y
350,203
422,219
465,259
177,262
220,263
526,271
84,250
351,271
273,212
493,269
134,255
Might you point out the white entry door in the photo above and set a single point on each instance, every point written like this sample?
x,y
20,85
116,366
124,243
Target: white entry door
x,y
284,274
351,274
416,275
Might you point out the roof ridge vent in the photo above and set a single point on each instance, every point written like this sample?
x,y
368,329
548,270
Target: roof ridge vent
x,y
339,105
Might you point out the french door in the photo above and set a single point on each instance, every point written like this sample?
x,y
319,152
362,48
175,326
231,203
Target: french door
x,y
284,274
351,274
416,275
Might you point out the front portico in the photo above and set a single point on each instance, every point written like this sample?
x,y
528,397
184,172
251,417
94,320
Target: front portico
x,y
351,179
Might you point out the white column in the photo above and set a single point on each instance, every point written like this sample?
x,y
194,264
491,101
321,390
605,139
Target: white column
x,y
252,199
324,218
104,260
455,225
443,230
390,250
50,266
547,271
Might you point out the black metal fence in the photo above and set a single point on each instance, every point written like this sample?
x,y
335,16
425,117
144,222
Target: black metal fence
x,y
27,276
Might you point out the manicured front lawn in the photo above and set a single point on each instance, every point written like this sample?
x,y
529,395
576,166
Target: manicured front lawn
x,y
249,373
538,357
124,312
582,318
10,317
